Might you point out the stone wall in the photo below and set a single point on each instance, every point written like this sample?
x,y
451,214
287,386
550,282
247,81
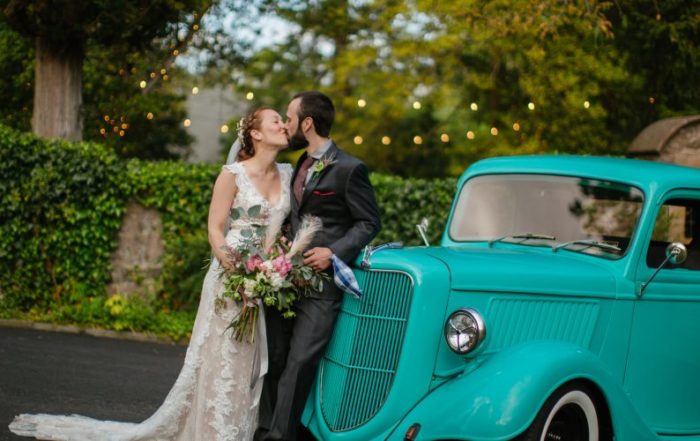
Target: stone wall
x,y
137,262
672,140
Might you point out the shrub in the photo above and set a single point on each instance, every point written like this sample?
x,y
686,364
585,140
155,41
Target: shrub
x,y
61,206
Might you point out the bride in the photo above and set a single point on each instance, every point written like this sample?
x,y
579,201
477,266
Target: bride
x,y
215,396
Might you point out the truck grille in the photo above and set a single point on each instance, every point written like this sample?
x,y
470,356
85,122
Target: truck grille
x,y
359,366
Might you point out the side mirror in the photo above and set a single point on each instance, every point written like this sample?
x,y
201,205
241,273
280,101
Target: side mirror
x,y
676,253
423,229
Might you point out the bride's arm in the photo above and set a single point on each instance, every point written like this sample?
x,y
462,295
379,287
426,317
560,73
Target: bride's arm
x,y
221,201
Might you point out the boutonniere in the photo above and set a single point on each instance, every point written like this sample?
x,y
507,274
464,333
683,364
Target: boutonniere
x,y
321,165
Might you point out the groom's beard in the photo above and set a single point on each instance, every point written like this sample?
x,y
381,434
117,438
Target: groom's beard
x,y
298,141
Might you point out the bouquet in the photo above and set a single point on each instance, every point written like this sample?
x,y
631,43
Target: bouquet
x,y
266,268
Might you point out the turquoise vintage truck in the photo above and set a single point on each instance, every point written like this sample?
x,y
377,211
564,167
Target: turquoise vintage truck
x,y
562,303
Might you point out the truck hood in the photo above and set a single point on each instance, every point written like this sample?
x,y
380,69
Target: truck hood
x,y
526,269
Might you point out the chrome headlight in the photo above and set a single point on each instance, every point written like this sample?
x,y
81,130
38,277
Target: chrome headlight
x,y
464,330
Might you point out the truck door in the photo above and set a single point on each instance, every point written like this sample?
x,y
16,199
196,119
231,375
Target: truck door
x,y
663,367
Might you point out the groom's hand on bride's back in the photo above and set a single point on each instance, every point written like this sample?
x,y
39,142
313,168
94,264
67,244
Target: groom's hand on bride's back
x,y
318,258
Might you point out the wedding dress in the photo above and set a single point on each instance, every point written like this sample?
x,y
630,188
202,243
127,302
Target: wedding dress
x,y
212,399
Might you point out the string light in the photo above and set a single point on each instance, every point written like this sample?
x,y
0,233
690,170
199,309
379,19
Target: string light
x,y
142,84
165,78
470,135
516,126
531,105
149,115
474,107
586,104
187,122
357,140
125,126
249,96
361,103
494,131
115,129
107,118
417,140
163,71
651,100
121,133
195,27
103,131
445,137
416,105
176,52
153,75
224,129
386,140
195,90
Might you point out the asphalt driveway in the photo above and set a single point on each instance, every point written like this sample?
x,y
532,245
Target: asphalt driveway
x,y
60,373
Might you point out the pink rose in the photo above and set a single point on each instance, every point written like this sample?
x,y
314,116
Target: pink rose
x,y
252,263
282,266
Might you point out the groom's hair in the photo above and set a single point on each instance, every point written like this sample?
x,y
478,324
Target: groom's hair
x,y
319,107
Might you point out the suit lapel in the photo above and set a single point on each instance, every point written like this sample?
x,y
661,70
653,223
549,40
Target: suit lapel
x,y
332,152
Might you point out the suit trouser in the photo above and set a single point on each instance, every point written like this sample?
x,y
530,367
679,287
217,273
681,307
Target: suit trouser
x,y
295,348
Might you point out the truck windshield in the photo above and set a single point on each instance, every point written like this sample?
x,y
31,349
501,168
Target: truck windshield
x,y
568,209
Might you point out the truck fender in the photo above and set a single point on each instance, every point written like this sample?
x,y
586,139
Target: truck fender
x,y
500,398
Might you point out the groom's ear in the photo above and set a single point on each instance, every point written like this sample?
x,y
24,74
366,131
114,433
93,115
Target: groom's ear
x,y
307,124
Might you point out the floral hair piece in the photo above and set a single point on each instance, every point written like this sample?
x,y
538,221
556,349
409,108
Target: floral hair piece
x,y
241,127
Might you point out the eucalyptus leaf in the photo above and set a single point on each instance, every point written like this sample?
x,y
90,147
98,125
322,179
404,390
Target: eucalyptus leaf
x,y
254,211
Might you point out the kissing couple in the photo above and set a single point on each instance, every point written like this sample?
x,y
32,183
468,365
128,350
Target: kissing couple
x,y
214,397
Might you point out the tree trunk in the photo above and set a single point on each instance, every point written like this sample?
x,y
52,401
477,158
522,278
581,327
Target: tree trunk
x,y
58,91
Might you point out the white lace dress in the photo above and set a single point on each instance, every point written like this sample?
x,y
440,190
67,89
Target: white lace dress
x,y
212,399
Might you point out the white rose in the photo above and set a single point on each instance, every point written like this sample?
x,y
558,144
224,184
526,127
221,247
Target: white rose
x,y
276,280
249,287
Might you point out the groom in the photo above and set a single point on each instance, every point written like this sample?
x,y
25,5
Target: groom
x,y
333,186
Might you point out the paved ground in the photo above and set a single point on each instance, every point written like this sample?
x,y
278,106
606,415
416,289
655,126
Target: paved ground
x,y
60,373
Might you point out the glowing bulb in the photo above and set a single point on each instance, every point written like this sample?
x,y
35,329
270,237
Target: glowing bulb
x,y
187,122
494,131
361,103
224,129
125,126
195,90
103,131
165,78
163,71
106,117
445,137
516,126
470,135
153,75
195,27
651,100
416,105
586,104
417,140
357,140
176,52
249,96
149,115
531,105
142,84
121,133
386,140
474,107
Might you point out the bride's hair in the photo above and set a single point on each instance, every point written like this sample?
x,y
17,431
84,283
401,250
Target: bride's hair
x,y
248,123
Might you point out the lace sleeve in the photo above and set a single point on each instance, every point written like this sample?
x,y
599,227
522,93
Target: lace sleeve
x,y
235,170
287,170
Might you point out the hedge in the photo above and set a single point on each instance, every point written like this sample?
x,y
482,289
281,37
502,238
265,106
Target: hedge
x,y
61,206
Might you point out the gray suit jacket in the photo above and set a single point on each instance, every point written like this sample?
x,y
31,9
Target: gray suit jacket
x,y
343,198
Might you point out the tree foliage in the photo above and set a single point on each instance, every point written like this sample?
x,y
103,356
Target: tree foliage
x,y
122,45
477,78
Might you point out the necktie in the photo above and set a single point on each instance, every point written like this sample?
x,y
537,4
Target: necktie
x,y
301,177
